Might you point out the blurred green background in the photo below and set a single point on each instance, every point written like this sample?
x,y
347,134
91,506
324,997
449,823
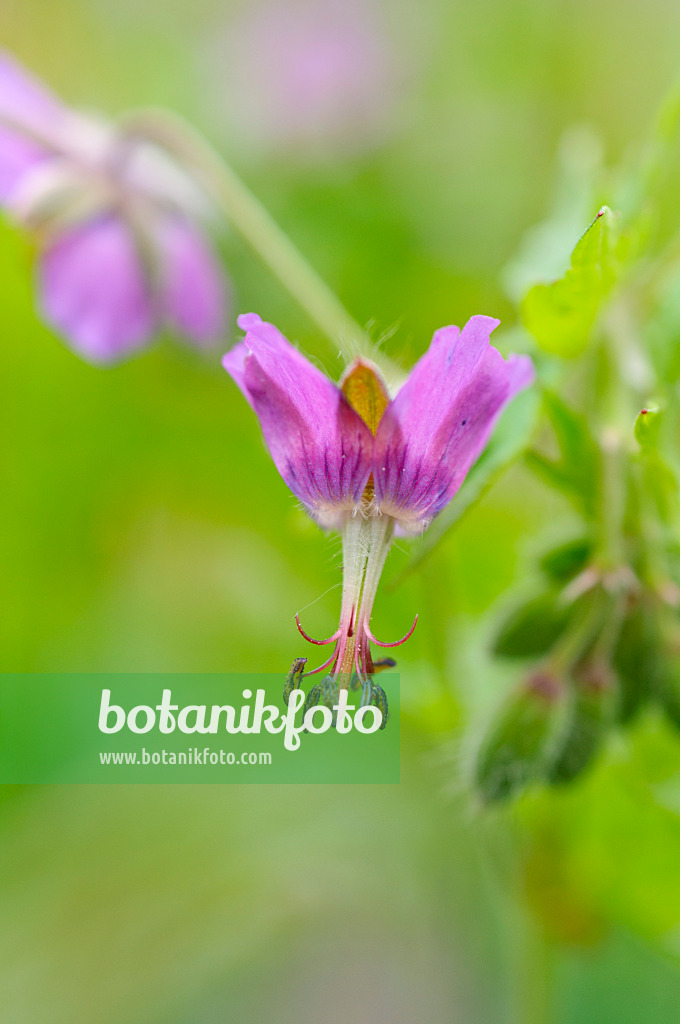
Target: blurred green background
x,y
144,528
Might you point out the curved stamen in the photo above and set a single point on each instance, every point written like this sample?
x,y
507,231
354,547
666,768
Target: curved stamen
x,y
321,667
319,643
395,643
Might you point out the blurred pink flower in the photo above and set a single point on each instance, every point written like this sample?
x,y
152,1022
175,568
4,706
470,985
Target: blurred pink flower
x,y
121,252
312,73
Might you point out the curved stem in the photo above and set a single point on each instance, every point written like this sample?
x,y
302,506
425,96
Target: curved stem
x,y
255,225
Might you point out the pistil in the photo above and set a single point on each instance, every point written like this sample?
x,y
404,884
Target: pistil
x,y
366,536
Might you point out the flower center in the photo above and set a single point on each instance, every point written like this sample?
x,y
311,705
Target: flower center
x,y
365,390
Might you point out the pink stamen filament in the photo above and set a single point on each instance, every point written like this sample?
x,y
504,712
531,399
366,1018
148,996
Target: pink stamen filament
x,y
319,643
366,541
321,667
395,643
363,661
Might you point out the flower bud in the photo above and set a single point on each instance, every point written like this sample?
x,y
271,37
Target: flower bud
x,y
667,679
636,658
593,711
522,743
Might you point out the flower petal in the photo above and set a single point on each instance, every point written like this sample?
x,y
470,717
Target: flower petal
x,y
25,106
192,288
235,364
441,419
95,292
320,446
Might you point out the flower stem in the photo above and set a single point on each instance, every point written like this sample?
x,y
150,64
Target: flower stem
x,y
255,225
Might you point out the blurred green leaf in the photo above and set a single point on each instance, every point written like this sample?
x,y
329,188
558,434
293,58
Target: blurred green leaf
x,y
647,426
565,561
658,480
662,484
640,186
561,315
661,328
532,629
543,252
576,472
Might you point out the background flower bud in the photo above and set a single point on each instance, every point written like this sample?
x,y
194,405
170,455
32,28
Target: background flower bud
x,y
592,712
521,744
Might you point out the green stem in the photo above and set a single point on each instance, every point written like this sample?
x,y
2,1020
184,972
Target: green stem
x,y
612,499
256,227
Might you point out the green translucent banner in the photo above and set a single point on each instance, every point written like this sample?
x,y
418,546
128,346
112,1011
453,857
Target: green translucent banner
x,y
191,728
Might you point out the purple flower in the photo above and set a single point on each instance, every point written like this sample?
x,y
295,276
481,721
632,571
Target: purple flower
x,y
440,421
321,448
321,76
121,254
369,465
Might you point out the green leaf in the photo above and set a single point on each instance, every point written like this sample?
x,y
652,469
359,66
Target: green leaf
x,y
532,629
658,479
543,252
647,427
562,563
561,315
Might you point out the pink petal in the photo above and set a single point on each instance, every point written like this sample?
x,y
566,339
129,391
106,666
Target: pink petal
x,y
441,419
94,291
321,448
193,291
26,106
235,364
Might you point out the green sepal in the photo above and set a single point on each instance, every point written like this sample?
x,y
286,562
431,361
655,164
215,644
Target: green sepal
x,y
577,470
533,628
293,679
373,694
